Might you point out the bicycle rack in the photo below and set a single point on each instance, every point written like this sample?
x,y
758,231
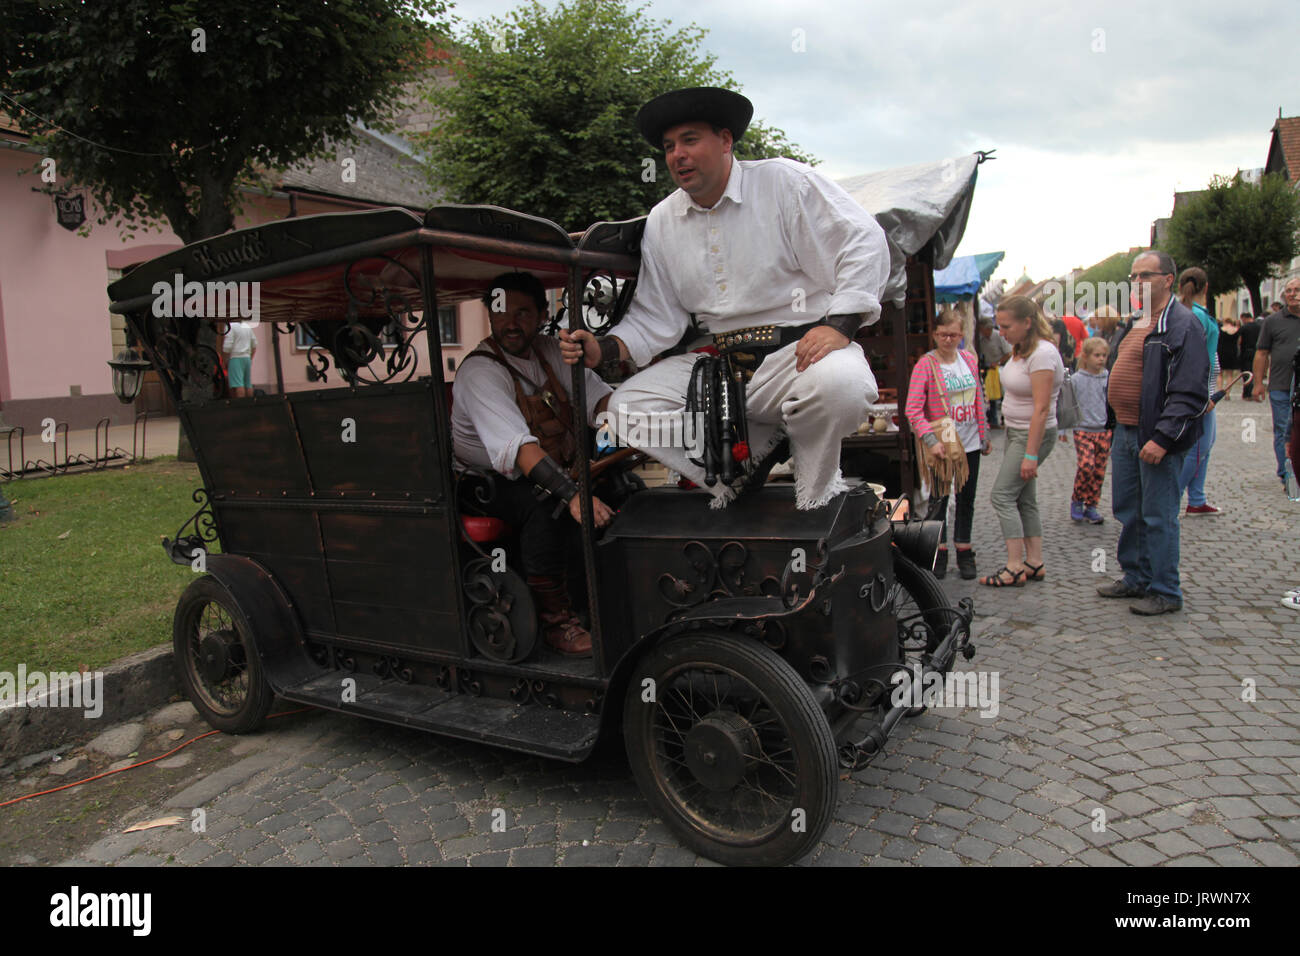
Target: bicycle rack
x,y
141,427
105,452
9,443
40,464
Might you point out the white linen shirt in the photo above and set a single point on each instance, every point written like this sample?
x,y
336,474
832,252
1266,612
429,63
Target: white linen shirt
x,y
783,246
240,340
487,427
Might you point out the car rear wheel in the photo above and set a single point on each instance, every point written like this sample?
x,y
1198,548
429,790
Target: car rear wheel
x,y
216,661
731,749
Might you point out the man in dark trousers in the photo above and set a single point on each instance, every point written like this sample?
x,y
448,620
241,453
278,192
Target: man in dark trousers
x,y
511,417
1158,391
1279,338
1246,346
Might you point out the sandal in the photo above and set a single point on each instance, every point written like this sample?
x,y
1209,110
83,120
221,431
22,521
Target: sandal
x,y
1034,572
995,580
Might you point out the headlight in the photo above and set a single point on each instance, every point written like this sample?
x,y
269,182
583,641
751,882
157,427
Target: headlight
x,y
919,540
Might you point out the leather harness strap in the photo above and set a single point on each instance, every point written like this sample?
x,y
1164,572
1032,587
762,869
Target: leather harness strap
x,y
548,412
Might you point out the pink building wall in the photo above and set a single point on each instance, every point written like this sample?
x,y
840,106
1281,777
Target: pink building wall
x,y
55,327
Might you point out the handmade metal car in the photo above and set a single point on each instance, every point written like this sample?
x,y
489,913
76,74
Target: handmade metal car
x,y
748,655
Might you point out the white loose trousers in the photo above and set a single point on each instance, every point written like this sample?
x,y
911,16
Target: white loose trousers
x,y
815,408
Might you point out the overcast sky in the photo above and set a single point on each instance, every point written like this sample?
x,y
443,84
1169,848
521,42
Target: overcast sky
x,y
1099,111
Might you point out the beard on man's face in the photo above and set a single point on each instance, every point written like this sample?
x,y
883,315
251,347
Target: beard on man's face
x,y
514,339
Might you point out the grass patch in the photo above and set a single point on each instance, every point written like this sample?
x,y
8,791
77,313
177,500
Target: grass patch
x,y
106,589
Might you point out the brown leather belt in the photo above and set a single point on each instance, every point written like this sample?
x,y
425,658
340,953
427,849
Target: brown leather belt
x,y
769,337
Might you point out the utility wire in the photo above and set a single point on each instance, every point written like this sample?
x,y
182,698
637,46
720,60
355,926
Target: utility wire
x,y
91,142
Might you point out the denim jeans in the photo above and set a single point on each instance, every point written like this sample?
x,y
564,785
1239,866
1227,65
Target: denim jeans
x,y
1281,402
1197,463
1145,499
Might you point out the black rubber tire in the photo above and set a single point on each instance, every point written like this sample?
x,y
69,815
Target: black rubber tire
x,y
250,695
918,596
777,694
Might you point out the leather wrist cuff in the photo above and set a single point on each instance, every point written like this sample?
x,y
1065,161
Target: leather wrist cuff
x,y
608,349
847,325
550,477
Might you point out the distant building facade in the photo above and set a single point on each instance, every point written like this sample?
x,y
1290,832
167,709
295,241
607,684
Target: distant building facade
x,y
56,333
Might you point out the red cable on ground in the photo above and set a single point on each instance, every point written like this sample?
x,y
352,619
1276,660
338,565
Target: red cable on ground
x,y
109,773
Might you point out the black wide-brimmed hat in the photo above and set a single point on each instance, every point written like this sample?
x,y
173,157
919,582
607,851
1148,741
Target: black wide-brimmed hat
x,y
704,104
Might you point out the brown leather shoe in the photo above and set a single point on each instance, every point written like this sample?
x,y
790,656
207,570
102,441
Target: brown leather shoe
x,y
561,628
567,636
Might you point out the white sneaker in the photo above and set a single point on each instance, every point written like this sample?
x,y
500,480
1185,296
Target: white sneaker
x,y
1292,601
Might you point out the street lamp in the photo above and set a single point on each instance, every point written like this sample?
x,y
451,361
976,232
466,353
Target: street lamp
x,y
128,374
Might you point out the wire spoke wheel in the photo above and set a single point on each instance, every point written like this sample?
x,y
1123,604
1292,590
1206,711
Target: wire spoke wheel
x,y
732,750
216,659
922,612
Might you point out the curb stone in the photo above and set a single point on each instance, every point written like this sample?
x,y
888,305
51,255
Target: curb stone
x,y
134,685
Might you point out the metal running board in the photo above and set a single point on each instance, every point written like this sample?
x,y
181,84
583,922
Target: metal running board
x,y
532,728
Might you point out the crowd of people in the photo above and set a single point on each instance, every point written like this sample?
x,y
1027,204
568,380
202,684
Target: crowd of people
x,y
1142,393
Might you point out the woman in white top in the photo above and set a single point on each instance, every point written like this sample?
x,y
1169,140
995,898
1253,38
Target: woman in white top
x,y
1031,382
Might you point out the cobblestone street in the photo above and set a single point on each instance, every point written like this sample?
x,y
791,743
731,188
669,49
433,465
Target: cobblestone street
x,y
1142,719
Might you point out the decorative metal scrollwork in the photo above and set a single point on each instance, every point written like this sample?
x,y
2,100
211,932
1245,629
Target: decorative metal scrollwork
x,y
502,617
878,593
713,576
179,350
543,694
381,322
789,591
186,547
469,684
605,299
393,667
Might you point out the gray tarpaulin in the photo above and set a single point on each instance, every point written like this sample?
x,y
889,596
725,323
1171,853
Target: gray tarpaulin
x,y
929,202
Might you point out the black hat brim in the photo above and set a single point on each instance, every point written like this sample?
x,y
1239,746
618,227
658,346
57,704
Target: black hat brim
x,y
700,104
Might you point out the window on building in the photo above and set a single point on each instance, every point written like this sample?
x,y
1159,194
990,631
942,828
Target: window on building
x,y
302,338
448,326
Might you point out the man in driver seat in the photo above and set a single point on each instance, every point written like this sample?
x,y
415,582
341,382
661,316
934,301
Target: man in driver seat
x,y
511,416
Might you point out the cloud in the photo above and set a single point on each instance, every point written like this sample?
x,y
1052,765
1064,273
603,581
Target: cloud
x,y
1099,111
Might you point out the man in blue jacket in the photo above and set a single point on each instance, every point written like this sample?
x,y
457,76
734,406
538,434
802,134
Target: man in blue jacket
x,y
1158,392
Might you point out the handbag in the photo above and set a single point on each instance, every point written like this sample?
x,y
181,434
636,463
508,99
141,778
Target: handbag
x,y
1067,404
954,470
993,385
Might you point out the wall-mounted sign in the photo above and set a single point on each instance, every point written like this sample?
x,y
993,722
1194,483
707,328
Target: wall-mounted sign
x,y
70,209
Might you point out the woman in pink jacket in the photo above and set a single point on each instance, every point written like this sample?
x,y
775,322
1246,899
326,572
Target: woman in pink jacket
x,y
946,382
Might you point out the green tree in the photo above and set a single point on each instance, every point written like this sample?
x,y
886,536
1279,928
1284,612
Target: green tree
x,y
1113,269
541,117
1241,233
163,110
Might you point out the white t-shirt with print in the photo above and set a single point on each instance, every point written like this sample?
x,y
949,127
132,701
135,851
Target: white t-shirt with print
x,y
961,400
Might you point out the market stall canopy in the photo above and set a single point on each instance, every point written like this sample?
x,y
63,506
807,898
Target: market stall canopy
x,y
965,275
918,205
